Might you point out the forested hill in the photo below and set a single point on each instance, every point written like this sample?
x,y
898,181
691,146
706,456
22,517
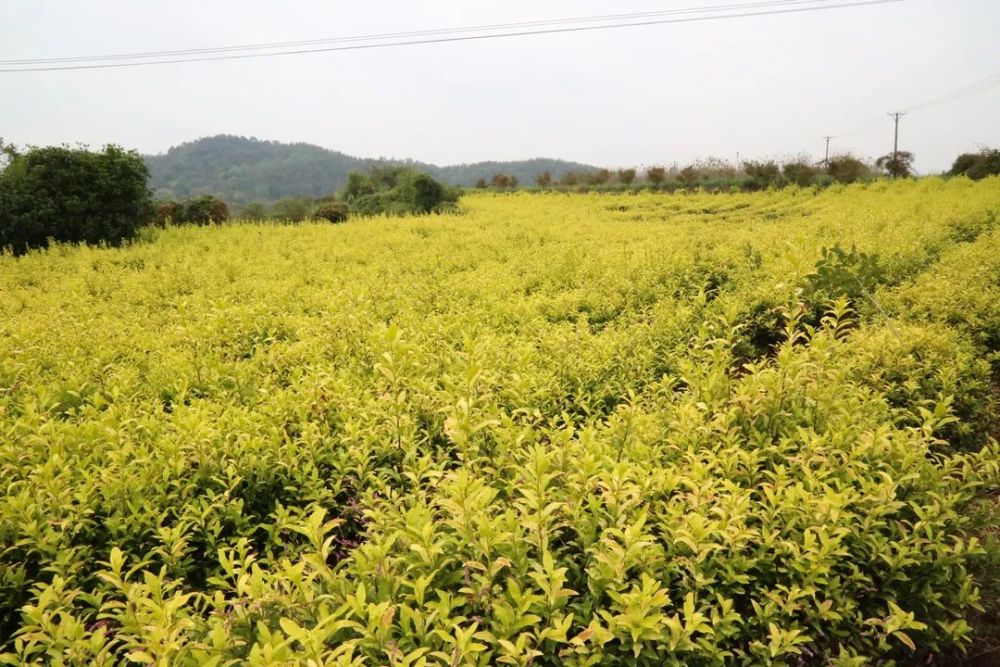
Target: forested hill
x,y
241,170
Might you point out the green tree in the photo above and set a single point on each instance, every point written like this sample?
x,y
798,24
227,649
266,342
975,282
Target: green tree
x,y
626,176
988,164
897,165
762,174
503,181
656,175
254,211
333,211
396,190
72,194
977,165
291,209
569,178
800,172
544,179
204,210
847,169
599,177
689,175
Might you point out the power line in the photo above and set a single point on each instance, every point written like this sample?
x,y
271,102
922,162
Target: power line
x,y
974,88
414,33
461,38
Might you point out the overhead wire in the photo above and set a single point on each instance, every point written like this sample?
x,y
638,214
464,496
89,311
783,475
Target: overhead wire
x,y
415,33
459,38
976,87
973,88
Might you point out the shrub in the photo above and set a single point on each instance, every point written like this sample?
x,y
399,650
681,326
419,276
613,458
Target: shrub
x,y
291,209
977,165
333,211
656,175
397,190
688,175
72,195
799,172
847,169
963,163
254,211
762,174
599,177
204,210
503,181
897,165
167,212
626,176
570,178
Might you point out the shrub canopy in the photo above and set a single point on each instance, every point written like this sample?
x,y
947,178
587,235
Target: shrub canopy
x,y
396,190
72,194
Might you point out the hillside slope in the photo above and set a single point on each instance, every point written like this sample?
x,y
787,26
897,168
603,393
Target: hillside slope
x,y
241,170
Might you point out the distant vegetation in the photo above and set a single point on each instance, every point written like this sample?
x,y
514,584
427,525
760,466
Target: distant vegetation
x,y
242,171
977,165
204,210
380,191
397,190
71,194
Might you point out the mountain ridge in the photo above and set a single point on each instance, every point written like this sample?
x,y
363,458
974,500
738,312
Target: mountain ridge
x,y
242,169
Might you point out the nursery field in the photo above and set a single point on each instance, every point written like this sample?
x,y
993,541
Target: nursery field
x,y
691,429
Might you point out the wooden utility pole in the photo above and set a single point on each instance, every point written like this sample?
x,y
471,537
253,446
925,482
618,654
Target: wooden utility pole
x,y
895,138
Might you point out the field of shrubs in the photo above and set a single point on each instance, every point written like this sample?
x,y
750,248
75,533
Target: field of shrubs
x,y
550,429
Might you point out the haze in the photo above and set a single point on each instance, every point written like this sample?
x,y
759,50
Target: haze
x,y
762,87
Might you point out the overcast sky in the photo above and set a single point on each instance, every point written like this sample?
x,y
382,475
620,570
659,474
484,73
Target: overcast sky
x,y
762,86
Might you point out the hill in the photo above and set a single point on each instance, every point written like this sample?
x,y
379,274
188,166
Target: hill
x,y
241,170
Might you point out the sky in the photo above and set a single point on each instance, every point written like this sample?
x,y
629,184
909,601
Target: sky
x,y
755,87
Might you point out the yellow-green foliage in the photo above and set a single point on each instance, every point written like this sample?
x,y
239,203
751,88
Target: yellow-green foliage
x,y
579,430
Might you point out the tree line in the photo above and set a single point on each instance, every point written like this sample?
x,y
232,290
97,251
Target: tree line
x,y
715,174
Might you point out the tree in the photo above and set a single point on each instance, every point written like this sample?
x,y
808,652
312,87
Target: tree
x,y
481,183
424,192
396,190
167,212
544,179
689,175
569,178
626,176
977,165
73,195
503,181
800,172
847,169
254,211
204,210
762,174
292,209
963,163
599,177
897,165
656,175
988,164
333,211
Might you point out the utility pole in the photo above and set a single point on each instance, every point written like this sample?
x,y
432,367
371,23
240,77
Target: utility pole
x,y
826,157
895,138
